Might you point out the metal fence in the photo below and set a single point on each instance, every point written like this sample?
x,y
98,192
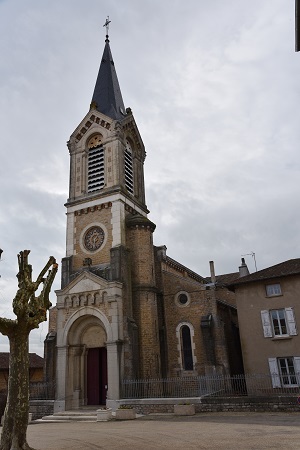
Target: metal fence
x,y
42,391
257,385
38,390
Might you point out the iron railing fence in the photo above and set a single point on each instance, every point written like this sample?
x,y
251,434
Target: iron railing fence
x,y
257,385
40,390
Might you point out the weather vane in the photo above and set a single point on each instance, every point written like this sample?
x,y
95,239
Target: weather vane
x,y
107,22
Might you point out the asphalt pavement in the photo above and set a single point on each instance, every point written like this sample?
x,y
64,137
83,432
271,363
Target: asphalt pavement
x,y
226,431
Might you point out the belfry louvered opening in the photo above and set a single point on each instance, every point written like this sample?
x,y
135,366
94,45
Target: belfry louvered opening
x,y
96,168
128,160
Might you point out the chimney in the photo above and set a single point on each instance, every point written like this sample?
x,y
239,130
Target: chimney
x,y
161,252
212,271
243,269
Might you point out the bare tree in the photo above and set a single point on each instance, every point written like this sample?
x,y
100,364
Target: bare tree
x,y
30,310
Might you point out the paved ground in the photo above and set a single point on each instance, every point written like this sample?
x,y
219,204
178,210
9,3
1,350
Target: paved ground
x,y
234,431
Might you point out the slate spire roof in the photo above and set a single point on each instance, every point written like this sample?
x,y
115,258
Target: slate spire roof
x,y
107,95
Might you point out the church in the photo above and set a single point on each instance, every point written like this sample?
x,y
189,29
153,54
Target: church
x,y
126,310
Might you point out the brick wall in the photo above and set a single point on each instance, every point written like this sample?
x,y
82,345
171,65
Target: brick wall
x,y
52,319
209,348
144,305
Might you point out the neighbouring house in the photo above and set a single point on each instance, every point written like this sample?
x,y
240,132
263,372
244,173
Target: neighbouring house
x,y
36,369
269,316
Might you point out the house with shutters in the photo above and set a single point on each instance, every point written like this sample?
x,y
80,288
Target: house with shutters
x,y
269,316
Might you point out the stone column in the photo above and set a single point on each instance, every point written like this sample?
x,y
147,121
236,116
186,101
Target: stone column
x,y
113,370
60,402
75,372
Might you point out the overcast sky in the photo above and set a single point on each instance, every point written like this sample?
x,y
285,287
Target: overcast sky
x,y
214,88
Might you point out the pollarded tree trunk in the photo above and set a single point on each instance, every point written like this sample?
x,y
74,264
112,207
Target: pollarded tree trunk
x,y
17,406
30,311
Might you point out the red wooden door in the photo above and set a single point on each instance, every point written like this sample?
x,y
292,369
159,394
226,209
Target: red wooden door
x,y
103,375
96,376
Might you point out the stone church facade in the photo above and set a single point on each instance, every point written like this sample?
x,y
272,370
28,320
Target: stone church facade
x,y
125,309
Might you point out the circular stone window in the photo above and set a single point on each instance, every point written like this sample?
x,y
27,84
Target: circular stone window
x,y
182,299
93,238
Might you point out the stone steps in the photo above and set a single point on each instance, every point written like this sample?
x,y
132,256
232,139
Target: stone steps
x,y
71,416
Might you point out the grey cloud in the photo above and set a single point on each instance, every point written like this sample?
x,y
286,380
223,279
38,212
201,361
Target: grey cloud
x,y
214,90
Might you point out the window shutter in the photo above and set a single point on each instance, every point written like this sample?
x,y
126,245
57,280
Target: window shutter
x,y
291,321
266,323
297,368
274,372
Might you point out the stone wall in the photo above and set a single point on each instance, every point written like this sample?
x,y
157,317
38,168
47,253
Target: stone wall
x,y
233,404
238,404
41,408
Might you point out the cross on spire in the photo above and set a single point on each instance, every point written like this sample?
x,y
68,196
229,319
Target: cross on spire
x,y
107,22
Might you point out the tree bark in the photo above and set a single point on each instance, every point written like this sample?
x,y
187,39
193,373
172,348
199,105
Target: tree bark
x,y
17,406
30,311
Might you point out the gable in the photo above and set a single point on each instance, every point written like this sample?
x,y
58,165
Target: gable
x,y
85,282
91,119
85,285
131,130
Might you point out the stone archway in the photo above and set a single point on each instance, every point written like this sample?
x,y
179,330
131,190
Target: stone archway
x,y
85,329
86,378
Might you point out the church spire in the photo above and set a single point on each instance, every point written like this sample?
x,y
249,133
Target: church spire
x,y
107,96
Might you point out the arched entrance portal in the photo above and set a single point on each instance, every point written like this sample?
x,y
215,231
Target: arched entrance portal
x,y
94,339
96,376
87,362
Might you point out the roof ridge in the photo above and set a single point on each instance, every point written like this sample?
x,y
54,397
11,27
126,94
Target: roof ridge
x,y
285,268
194,274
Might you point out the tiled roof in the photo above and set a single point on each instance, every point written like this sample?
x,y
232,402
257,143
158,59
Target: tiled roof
x,y
225,278
35,361
286,268
172,263
224,302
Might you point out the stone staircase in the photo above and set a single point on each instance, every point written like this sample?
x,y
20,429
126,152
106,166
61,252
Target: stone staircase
x,y
86,414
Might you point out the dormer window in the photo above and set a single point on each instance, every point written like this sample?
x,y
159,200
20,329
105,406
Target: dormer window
x,y
95,161
128,167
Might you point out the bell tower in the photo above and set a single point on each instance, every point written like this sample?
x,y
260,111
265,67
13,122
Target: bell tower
x,y
106,175
106,312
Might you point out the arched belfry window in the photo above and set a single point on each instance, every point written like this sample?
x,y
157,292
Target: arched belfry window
x,y
128,167
95,163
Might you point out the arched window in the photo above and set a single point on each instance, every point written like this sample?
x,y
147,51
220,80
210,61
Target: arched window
x,y
128,163
95,163
186,348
